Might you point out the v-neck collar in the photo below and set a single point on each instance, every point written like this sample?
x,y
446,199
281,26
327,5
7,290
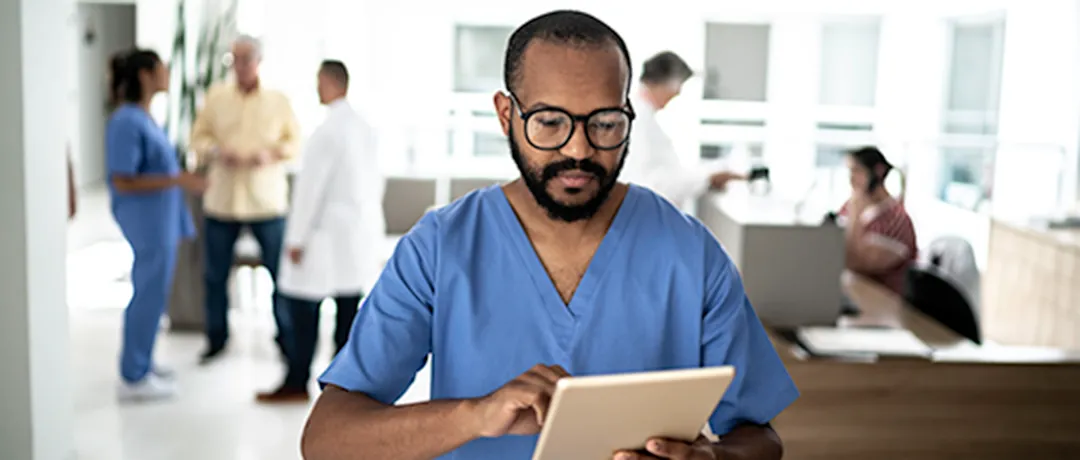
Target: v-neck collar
x,y
583,296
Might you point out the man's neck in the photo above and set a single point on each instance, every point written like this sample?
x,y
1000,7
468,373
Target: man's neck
x,y
248,87
649,97
536,219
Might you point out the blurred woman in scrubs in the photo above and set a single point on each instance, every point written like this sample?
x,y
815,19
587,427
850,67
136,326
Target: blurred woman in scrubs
x,y
146,185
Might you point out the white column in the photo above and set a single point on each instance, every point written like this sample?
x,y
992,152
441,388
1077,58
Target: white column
x,y
35,384
794,74
1038,121
911,74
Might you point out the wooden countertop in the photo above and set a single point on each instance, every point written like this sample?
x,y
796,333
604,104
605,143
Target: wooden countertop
x,y
883,308
1067,238
968,402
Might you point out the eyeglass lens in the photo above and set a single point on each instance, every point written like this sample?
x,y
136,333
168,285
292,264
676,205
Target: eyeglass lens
x,y
553,128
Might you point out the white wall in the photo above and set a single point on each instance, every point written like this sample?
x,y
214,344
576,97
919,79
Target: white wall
x,y
113,26
155,26
1038,109
35,385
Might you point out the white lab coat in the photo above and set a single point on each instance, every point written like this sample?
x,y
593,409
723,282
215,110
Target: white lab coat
x,y
336,211
653,163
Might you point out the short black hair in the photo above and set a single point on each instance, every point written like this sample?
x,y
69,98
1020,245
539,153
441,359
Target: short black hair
x,y
666,66
561,26
336,70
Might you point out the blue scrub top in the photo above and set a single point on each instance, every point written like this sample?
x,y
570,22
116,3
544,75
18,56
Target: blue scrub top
x,y
466,286
135,145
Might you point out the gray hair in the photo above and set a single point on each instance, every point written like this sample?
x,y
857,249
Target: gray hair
x,y
253,42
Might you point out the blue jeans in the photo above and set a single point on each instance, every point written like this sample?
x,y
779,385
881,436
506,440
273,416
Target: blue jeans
x,y
221,236
151,279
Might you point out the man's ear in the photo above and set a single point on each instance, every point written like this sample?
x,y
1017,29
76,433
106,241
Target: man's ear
x,y
503,107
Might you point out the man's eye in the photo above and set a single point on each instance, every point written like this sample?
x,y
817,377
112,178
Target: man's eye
x,y
550,122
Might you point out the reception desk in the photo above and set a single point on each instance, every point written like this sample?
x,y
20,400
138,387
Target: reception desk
x,y
1031,287
964,402
788,260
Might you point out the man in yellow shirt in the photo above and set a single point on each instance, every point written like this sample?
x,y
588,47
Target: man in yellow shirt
x,y
244,135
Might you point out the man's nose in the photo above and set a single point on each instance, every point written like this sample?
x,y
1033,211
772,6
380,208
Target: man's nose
x,y
578,146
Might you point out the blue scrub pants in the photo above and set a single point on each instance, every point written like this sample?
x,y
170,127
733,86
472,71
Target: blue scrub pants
x,y
151,278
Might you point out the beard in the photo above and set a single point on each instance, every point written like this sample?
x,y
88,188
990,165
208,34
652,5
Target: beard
x,y
538,179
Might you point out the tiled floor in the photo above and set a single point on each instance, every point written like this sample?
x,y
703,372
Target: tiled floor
x,y
215,416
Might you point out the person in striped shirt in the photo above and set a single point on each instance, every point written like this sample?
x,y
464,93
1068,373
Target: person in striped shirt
x,y
880,238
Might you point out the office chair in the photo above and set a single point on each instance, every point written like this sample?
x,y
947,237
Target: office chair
x,y
931,291
955,257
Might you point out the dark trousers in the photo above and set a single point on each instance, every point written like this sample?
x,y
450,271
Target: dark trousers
x,y
220,237
305,318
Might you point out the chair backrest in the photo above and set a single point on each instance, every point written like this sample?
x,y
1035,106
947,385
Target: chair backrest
x,y
460,187
955,258
931,291
405,202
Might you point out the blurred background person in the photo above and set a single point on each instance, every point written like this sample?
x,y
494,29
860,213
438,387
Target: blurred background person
x,y
334,230
72,198
244,135
652,161
146,187
880,238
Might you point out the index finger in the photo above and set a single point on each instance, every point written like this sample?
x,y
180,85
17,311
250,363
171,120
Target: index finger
x,y
549,373
559,371
669,448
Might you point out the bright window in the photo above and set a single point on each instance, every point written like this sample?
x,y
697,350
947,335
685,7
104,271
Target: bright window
x,y
966,174
736,61
849,51
478,57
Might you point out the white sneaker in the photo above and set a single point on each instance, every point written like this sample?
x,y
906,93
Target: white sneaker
x,y
164,372
150,388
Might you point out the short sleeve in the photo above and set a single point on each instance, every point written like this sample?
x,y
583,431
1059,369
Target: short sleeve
x,y
391,336
733,335
123,146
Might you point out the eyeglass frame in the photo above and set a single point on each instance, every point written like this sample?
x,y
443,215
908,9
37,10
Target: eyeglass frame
x,y
584,119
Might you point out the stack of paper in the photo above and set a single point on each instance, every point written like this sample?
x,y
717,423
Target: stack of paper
x,y
831,341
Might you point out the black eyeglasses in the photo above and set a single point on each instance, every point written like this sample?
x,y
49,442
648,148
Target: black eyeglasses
x,y
550,128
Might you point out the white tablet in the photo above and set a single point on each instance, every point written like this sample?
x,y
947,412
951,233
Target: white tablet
x,y
590,418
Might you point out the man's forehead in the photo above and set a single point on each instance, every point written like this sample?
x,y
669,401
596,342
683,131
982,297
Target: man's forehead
x,y
243,48
573,76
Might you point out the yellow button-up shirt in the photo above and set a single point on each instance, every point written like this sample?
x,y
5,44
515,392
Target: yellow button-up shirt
x,y
247,123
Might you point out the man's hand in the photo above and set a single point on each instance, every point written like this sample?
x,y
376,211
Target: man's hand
x,y
296,255
519,407
192,183
230,158
262,158
720,180
702,449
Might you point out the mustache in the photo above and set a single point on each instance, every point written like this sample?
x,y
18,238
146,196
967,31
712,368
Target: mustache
x,y
570,164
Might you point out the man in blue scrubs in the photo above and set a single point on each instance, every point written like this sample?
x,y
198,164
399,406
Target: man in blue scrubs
x,y
562,272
